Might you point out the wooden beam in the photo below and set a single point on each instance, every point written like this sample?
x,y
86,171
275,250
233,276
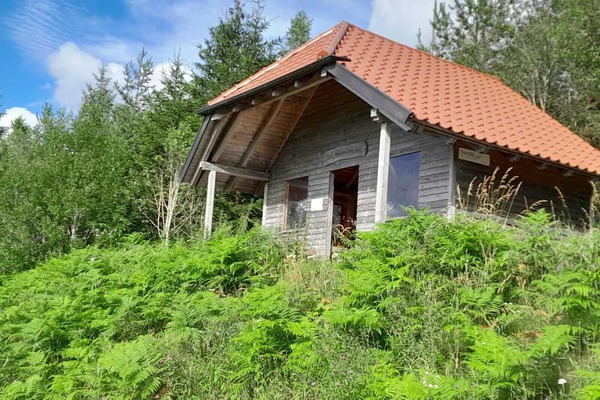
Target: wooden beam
x,y
221,127
345,152
592,217
210,203
481,148
387,106
514,158
449,140
211,142
383,167
329,218
219,115
451,184
235,171
292,90
225,135
278,92
376,116
191,156
272,113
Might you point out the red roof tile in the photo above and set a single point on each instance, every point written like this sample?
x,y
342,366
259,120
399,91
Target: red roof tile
x,y
439,92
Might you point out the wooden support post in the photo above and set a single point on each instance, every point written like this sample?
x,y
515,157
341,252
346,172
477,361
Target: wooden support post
x,y
265,197
451,184
210,203
383,167
329,221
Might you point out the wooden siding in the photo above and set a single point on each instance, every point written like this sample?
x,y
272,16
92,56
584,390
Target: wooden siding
x,y
540,185
335,118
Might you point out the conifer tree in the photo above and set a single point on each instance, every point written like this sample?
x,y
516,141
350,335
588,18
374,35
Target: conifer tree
x,y
235,49
136,89
298,32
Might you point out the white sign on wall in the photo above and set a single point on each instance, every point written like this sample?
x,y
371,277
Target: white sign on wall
x,y
474,156
316,204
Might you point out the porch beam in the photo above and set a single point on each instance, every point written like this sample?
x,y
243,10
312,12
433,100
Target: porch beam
x,y
227,132
383,166
235,171
192,154
210,203
222,126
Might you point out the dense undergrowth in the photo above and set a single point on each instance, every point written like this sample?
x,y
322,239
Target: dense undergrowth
x,y
421,308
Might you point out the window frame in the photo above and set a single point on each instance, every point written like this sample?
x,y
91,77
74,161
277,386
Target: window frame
x,y
286,200
418,185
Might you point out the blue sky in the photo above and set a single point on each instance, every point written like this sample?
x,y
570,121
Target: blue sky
x,y
50,48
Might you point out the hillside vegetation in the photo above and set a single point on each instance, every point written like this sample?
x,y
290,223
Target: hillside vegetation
x,y
421,308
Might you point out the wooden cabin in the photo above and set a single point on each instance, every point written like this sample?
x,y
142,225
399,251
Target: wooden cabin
x,y
351,128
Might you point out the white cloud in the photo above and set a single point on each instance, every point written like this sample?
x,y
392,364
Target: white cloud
x,y
15,112
71,69
400,20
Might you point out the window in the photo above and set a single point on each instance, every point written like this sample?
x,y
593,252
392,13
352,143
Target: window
x,y
403,184
296,203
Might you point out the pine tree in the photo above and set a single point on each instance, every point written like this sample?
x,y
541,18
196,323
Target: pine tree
x,y
298,32
235,49
137,89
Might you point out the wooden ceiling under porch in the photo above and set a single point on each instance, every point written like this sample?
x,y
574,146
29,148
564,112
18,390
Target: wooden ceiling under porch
x,y
242,142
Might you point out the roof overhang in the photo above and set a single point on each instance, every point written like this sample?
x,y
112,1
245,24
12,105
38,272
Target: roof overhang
x,y
461,136
315,66
389,108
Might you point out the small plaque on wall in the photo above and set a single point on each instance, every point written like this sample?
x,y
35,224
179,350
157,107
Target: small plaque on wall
x,y
474,156
316,204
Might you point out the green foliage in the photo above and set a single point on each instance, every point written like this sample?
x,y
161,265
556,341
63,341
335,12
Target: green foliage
x,y
64,183
299,31
420,308
235,49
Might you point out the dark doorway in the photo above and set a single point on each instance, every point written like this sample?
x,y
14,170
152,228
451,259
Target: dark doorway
x,y
345,194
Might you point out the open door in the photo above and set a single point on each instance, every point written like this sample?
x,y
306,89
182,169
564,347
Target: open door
x,y
345,195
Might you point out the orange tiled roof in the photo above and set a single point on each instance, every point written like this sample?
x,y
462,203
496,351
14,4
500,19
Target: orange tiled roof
x,y
439,92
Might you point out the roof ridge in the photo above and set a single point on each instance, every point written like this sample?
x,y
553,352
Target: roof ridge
x,y
344,25
485,74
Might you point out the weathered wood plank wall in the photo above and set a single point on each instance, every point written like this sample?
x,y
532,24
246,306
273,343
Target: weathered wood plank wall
x,y
540,184
336,118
